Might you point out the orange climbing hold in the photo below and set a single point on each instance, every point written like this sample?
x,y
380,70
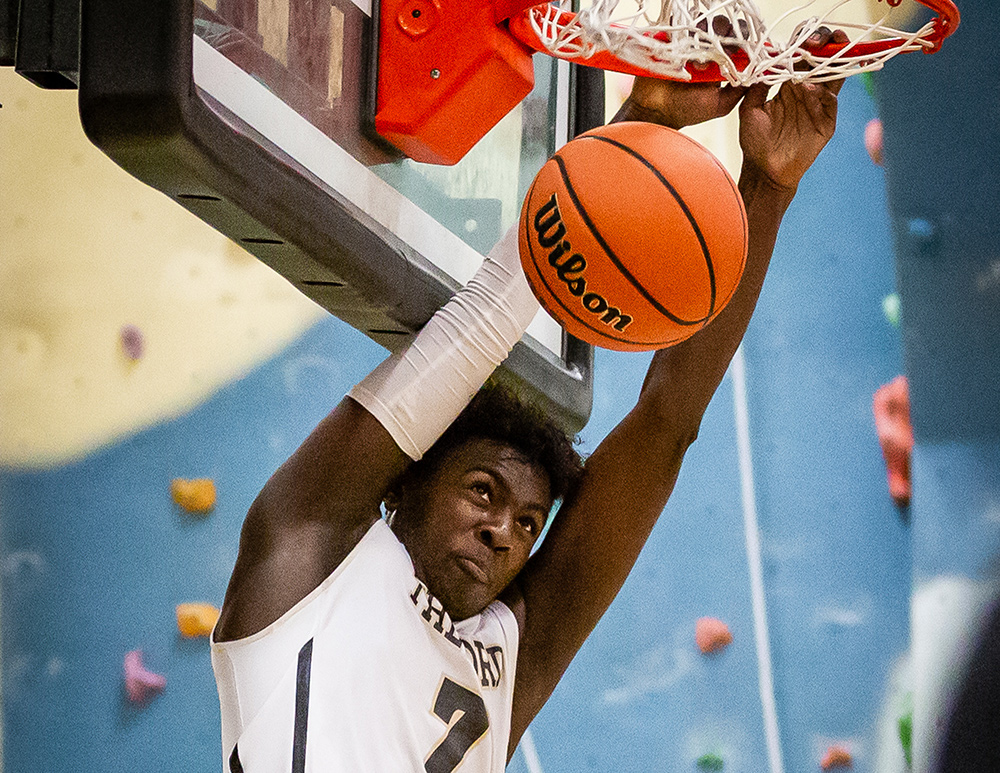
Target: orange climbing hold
x,y
837,757
711,635
140,683
891,406
196,619
195,496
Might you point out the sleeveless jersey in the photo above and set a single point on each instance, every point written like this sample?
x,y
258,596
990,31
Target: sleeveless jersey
x,y
369,674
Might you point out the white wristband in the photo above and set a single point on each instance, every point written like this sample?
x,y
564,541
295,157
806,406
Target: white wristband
x,y
417,393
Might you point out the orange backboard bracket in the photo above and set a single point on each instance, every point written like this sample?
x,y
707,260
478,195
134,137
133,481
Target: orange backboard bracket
x,y
447,73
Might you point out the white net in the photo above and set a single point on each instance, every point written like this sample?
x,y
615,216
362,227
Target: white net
x,y
663,36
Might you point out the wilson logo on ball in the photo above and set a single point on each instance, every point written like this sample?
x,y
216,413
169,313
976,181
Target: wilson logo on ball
x,y
633,236
550,230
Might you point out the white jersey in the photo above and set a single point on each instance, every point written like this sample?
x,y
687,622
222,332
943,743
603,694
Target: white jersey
x,y
368,674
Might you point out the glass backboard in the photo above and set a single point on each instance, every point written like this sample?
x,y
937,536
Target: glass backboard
x,y
256,115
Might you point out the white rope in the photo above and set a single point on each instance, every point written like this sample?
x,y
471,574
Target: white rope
x,y
765,676
530,753
682,31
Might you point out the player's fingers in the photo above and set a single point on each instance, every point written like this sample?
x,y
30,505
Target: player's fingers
x,y
818,39
823,36
722,27
729,97
824,90
820,102
754,98
834,86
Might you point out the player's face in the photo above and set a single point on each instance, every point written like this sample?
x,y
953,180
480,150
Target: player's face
x,y
471,527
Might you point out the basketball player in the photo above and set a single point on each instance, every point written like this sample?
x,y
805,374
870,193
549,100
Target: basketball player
x,y
428,641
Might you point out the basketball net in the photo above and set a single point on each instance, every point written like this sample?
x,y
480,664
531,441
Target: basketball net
x,y
721,40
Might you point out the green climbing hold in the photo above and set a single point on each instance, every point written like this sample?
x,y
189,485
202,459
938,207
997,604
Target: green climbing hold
x,y
906,736
710,761
869,82
892,308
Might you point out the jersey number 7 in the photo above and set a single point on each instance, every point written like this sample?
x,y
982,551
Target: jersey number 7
x,y
464,712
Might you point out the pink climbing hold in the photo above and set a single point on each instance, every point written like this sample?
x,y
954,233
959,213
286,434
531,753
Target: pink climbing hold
x,y
891,405
873,140
132,342
711,635
141,684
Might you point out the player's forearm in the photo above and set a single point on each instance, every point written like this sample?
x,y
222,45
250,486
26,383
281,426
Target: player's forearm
x,y
417,394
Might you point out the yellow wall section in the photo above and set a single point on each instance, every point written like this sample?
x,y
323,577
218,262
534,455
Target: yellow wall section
x,y
87,249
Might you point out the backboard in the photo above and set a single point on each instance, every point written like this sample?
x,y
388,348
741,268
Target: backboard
x,y
257,115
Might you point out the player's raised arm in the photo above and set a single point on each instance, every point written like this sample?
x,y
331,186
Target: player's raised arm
x,y
318,505
597,535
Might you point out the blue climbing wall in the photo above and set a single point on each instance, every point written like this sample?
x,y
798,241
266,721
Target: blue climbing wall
x,y
95,555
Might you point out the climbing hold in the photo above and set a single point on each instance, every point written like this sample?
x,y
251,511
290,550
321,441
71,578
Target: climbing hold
x,y
195,496
891,406
905,727
873,140
836,757
132,342
710,761
140,684
196,619
868,80
711,634
892,308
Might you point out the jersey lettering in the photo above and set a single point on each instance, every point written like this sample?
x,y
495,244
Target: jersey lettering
x,y
487,661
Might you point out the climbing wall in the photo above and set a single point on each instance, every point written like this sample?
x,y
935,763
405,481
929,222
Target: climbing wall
x,y
942,149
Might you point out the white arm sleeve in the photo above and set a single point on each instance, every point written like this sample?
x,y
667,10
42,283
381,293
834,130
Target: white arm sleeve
x,y
417,393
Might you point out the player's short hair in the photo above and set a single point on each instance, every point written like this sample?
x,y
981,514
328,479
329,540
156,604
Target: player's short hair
x,y
497,413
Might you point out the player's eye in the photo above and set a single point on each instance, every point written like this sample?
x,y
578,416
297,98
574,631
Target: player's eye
x,y
482,490
530,525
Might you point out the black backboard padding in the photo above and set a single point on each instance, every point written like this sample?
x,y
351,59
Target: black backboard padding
x,y
8,31
588,107
47,52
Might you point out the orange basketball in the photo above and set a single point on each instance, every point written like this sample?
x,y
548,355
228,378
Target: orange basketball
x,y
633,236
